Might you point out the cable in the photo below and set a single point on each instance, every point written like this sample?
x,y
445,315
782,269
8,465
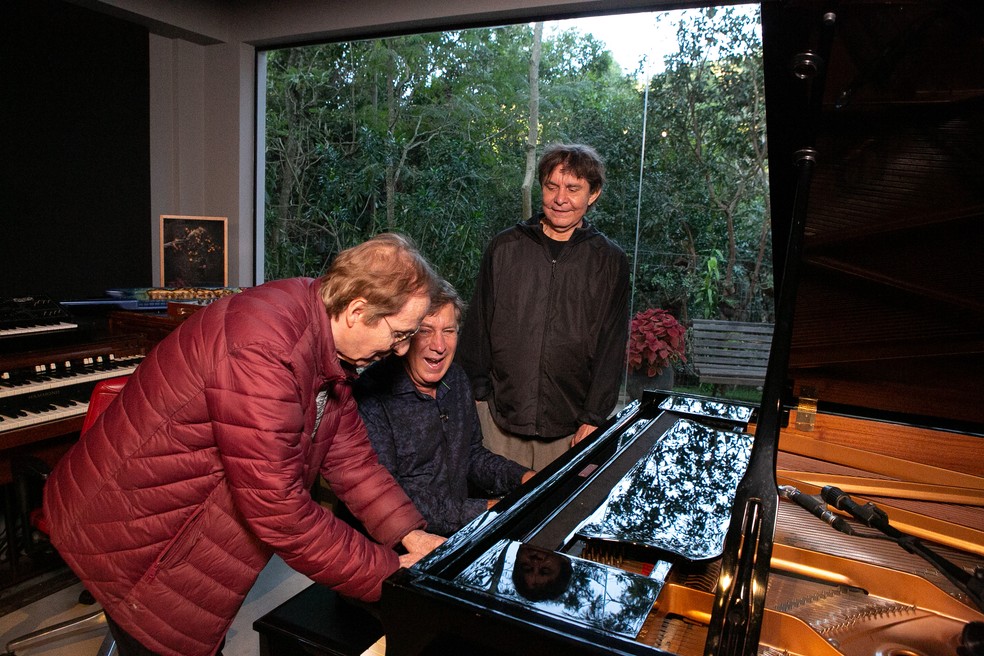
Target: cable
x,y
871,515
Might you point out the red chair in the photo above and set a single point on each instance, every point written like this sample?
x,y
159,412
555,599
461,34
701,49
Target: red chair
x,y
27,469
102,395
33,518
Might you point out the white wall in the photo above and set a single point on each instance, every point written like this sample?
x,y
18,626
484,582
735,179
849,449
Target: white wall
x,y
201,140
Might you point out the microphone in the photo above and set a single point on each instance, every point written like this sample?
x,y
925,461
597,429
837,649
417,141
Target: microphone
x,y
444,416
869,514
816,508
970,584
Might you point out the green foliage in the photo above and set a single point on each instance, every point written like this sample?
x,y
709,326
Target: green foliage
x,y
425,134
707,299
709,104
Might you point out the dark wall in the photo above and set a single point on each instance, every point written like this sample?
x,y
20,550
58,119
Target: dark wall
x,y
75,144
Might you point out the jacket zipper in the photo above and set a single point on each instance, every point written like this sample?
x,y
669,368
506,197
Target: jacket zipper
x,y
162,559
543,346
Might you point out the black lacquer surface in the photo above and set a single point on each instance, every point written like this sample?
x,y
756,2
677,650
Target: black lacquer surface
x,y
677,499
553,583
707,408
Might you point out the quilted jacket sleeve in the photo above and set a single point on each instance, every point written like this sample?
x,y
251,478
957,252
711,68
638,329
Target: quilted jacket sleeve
x,y
258,422
368,490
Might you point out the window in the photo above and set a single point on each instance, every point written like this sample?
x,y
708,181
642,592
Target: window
x,y
427,134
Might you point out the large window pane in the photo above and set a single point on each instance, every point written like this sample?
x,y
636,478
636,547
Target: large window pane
x,y
428,135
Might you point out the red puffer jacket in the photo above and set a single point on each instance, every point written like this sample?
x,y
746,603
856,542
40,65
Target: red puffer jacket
x,y
200,470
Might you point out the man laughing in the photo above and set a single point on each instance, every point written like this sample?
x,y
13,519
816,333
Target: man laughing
x,y
424,426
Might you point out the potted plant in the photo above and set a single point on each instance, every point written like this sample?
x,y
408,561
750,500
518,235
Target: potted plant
x,y
656,341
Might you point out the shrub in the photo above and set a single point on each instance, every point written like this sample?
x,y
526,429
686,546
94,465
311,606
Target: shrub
x,y
656,339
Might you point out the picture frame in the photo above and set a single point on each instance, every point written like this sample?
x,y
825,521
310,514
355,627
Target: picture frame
x,y
194,251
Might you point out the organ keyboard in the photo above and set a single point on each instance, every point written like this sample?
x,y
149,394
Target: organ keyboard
x,y
32,400
49,364
28,315
54,375
45,393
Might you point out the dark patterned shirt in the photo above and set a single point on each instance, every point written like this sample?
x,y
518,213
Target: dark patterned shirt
x,y
433,446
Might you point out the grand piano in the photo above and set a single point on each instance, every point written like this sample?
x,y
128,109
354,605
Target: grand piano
x,y
843,515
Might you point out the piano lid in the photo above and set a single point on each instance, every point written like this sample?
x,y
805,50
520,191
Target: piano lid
x,y
890,308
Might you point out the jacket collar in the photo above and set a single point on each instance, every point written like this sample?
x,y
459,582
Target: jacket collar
x,y
534,228
329,364
392,373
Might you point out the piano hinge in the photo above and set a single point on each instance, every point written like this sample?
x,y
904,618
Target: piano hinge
x,y
806,409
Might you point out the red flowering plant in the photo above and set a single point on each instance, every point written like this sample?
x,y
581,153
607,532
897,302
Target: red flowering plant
x,y
656,339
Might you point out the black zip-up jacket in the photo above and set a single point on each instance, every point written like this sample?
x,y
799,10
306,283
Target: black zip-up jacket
x,y
544,340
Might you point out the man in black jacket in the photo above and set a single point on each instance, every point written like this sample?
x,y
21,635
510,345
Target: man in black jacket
x,y
544,341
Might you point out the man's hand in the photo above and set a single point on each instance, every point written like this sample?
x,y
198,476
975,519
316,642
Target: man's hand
x,y
527,475
582,432
418,544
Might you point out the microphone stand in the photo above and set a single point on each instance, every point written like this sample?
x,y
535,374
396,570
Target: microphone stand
x,y
871,515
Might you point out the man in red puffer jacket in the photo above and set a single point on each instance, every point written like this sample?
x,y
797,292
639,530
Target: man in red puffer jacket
x,y
200,470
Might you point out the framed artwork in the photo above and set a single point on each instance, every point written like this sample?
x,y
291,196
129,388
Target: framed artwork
x,y
194,251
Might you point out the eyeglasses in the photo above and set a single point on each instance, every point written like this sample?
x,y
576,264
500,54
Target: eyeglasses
x,y
400,336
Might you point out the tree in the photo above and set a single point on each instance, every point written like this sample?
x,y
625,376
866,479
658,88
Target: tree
x,y
436,135
714,161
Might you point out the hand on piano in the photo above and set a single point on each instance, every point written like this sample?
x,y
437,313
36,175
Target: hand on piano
x,y
418,544
582,432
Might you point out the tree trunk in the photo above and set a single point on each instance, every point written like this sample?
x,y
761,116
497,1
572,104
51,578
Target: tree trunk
x,y
534,121
290,159
391,159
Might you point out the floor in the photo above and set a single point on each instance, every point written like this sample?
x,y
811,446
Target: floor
x,y
276,583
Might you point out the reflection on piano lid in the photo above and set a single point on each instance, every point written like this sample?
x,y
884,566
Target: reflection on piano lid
x,y
678,497
28,315
709,409
574,589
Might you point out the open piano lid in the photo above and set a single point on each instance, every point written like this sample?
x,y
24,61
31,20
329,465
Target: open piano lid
x,y
889,311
